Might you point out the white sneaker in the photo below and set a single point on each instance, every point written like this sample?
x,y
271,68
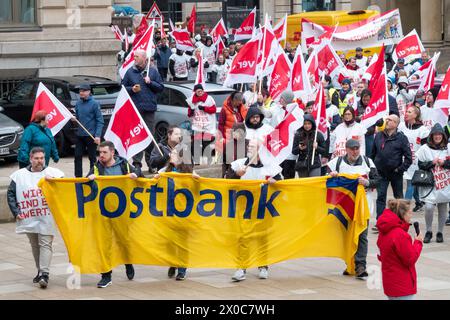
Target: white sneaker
x,y
263,272
239,275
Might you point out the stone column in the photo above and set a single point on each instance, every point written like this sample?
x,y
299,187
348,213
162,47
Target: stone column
x,y
431,22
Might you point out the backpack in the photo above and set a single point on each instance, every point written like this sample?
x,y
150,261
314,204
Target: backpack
x,y
339,161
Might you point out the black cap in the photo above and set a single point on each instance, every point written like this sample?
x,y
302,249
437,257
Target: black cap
x,y
198,86
352,143
85,87
359,49
401,60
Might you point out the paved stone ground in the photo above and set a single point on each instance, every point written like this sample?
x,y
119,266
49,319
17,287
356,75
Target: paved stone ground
x,y
294,279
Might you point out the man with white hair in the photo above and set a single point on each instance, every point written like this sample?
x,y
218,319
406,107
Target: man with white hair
x,y
143,85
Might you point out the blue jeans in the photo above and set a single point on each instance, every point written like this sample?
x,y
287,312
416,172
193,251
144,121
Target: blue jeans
x,y
182,270
412,191
396,181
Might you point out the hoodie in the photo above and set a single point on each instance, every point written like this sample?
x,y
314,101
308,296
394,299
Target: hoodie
x,y
398,255
307,138
258,131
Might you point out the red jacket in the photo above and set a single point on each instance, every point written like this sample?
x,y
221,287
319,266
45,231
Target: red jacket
x,y
398,255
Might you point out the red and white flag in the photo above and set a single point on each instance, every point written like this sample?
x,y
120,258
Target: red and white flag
x,y
301,87
328,60
141,29
244,65
319,111
378,106
268,50
278,144
280,78
126,129
429,73
371,68
281,28
245,31
145,43
443,97
219,31
192,21
219,47
182,39
409,48
57,113
117,32
312,68
200,79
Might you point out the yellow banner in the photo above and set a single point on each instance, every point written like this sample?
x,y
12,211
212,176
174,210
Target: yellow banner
x,y
206,223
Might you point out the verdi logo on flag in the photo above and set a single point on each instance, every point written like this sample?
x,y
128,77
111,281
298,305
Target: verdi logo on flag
x,y
245,31
409,48
182,39
219,30
280,77
57,113
126,129
280,29
443,98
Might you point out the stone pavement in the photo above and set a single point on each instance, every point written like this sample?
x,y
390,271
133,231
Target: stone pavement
x,y
310,278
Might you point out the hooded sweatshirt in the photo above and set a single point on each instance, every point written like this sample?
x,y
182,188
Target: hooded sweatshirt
x,y
398,255
258,131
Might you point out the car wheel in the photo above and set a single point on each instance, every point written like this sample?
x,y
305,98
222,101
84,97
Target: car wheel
x,y
161,131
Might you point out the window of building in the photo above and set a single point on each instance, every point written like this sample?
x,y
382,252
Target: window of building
x,y
318,5
17,13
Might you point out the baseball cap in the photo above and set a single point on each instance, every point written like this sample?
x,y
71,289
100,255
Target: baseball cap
x,y
352,143
84,87
401,60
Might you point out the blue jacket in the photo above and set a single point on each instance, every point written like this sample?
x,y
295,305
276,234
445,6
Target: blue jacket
x,y
89,114
145,100
162,56
36,135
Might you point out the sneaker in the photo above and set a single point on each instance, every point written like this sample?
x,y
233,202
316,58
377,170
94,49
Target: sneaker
x,y
181,275
375,229
36,279
361,273
105,281
439,237
263,272
418,207
239,275
129,270
428,236
43,280
447,222
171,272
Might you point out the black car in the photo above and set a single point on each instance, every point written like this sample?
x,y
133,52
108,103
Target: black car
x,y
18,103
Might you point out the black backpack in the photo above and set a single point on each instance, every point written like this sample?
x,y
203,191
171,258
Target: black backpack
x,y
339,161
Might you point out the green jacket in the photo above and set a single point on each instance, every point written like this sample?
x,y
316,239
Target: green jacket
x,y
37,136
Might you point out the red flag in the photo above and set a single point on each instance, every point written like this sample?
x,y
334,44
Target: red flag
x,y
126,129
300,84
328,61
312,67
219,30
371,68
57,113
163,32
443,98
245,31
409,48
219,47
280,29
117,32
319,111
145,43
143,27
280,76
243,68
268,50
182,39
200,79
378,106
192,21
429,74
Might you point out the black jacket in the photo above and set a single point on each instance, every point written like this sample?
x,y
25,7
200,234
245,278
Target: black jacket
x,y
307,137
156,160
391,154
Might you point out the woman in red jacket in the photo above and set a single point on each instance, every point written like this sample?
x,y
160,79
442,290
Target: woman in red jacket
x,y
398,252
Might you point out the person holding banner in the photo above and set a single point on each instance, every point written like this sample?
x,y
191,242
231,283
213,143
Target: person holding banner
x,y
37,134
29,207
304,146
435,157
87,112
251,168
143,83
109,164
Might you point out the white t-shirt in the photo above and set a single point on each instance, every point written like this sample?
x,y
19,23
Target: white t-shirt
x,y
414,137
31,201
342,133
431,116
222,72
181,65
252,173
209,54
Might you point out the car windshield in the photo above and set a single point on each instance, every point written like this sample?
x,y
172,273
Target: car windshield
x,y
220,97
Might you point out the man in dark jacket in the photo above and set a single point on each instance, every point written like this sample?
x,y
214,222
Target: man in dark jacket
x,y
162,56
392,157
143,89
109,164
88,113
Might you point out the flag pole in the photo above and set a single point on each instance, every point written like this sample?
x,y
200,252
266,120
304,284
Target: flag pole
x,y
156,144
264,49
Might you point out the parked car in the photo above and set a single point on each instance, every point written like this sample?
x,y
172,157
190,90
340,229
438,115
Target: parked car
x,y
10,135
18,103
172,105
415,84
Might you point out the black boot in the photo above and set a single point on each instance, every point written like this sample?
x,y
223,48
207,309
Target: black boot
x,y
428,236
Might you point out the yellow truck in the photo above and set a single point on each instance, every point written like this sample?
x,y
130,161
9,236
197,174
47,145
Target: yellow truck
x,y
327,18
